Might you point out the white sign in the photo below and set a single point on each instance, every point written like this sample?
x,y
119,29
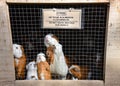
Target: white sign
x,y
62,18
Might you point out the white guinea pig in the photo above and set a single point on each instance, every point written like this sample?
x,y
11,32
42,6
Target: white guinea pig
x,y
32,71
50,39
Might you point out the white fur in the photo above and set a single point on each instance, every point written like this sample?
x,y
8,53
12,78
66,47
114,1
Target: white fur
x,y
42,76
17,51
73,78
41,57
49,40
59,65
32,71
17,61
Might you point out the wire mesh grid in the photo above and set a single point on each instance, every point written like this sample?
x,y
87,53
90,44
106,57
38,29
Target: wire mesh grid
x,y
84,47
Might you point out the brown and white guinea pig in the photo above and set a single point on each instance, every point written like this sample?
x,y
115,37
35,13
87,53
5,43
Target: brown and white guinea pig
x,y
50,55
50,39
59,65
31,71
19,60
43,67
77,72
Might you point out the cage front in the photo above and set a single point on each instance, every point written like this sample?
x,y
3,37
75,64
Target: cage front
x,y
83,47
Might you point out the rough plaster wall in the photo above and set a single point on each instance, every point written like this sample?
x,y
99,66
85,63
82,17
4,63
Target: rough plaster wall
x,y
114,30
6,61
113,46
58,1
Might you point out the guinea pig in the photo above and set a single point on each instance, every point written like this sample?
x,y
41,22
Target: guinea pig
x,y
50,54
32,71
58,63
78,72
50,39
19,60
43,67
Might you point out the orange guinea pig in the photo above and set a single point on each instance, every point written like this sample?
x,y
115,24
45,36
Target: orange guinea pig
x,y
43,67
19,60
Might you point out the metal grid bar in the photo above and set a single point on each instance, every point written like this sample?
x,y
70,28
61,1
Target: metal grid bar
x,y
84,46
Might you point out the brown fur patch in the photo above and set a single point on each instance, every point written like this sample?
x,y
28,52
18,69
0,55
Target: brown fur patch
x,y
67,61
50,54
43,67
20,67
55,37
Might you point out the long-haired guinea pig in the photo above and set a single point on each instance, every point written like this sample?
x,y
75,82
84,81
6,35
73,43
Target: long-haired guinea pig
x,y
19,60
77,72
57,59
43,67
50,39
31,71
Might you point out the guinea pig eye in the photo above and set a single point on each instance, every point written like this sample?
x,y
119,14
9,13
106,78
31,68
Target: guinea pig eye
x,y
47,53
16,47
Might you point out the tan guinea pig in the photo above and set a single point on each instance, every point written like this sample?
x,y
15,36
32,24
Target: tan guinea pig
x,y
19,60
43,67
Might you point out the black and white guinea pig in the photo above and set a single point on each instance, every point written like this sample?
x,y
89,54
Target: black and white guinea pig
x,y
31,71
50,39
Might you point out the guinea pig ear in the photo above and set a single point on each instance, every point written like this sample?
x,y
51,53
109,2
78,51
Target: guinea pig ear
x,y
22,48
55,37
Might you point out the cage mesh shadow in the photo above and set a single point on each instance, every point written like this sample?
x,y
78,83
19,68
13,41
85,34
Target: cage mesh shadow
x,y
83,46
